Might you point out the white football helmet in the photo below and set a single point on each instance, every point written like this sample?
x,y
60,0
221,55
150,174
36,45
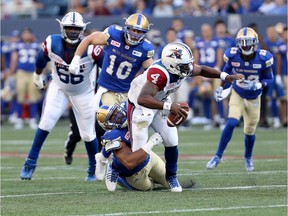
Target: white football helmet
x,y
72,19
178,59
247,41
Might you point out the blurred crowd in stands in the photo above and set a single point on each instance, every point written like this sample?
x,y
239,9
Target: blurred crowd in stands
x,y
208,47
156,8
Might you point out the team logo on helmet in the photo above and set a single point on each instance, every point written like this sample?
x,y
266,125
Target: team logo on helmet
x,y
176,53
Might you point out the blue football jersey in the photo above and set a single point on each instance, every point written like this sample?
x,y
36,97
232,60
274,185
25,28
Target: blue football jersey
x,y
121,61
125,137
274,48
207,51
27,53
252,70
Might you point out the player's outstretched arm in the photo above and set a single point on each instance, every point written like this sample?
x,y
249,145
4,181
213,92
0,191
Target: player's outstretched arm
x,y
201,70
132,159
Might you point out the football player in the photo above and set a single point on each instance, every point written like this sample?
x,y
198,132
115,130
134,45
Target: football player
x,y
149,101
255,65
23,65
137,170
127,51
66,88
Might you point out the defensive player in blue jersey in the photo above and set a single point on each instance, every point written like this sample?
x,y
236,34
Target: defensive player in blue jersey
x,y
138,170
23,65
255,65
127,51
66,88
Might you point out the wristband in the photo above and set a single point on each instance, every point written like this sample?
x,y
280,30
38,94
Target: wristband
x,y
77,58
167,106
223,75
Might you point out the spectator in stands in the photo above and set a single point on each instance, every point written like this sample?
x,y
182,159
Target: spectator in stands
x,y
279,9
163,9
96,8
77,6
142,7
225,7
18,8
189,8
121,8
245,7
267,5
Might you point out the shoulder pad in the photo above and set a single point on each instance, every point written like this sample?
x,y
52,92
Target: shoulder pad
x,y
149,48
230,53
266,57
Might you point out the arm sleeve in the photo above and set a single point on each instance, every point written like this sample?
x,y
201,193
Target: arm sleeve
x,y
41,60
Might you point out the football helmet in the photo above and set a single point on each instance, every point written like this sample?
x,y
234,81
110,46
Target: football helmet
x,y
136,27
178,59
247,41
72,19
112,117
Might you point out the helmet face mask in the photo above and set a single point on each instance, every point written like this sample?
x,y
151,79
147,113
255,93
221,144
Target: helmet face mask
x,y
136,28
72,27
247,41
113,117
178,59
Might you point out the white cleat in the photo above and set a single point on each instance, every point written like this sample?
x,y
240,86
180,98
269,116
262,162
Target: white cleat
x,y
101,163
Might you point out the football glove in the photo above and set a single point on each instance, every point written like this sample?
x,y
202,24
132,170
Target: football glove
x,y
154,140
251,85
217,93
39,82
278,80
74,66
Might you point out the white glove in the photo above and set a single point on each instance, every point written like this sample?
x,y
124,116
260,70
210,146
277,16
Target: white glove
x,y
278,80
39,82
251,85
74,66
154,140
217,93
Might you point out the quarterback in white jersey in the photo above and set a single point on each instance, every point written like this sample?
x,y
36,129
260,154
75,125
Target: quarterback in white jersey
x,y
66,88
149,101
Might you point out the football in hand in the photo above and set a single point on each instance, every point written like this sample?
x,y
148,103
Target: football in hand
x,y
173,121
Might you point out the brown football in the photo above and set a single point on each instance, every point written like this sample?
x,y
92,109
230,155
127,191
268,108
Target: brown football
x,y
173,121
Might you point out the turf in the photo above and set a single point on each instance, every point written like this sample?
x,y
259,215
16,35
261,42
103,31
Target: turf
x,y
59,189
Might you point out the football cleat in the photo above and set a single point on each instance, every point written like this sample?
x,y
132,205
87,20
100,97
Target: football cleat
x,y
68,159
213,162
111,178
174,184
28,169
101,163
91,174
249,164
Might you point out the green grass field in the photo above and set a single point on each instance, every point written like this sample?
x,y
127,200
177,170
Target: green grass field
x,y
58,189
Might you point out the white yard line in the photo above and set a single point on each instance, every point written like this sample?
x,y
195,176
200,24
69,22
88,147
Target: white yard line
x,y
208,188
191,210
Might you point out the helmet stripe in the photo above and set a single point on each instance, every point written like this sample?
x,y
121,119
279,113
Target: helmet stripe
x,y
245,31
139,19
186,47
73,21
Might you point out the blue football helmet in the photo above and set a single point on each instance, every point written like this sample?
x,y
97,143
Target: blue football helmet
x,y
112,117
